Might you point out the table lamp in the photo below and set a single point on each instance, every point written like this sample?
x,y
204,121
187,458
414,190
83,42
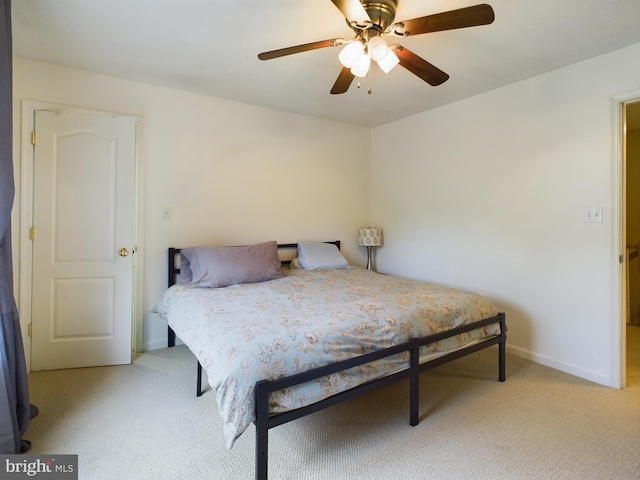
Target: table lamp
x,y
370,237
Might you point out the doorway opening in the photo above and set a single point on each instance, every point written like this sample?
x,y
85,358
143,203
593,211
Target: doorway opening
x,y
631,152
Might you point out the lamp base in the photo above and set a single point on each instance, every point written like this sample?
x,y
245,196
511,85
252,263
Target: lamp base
x,y
369,258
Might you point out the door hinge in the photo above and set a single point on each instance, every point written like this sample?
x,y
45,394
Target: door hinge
x,y
30,332
620,259
32,234
34,138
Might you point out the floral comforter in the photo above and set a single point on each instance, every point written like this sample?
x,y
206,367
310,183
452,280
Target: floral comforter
x,y
245,333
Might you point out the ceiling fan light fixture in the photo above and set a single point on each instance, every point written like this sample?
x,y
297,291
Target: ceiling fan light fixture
x,y
360,68
388,62
350,53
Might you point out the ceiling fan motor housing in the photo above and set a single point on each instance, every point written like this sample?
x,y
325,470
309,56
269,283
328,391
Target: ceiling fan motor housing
x,y
381,13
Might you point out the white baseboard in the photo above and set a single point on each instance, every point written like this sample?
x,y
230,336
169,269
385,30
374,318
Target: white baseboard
x,y
558,365
158,344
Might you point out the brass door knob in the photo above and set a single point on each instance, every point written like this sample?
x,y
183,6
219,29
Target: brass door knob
x,y
123,252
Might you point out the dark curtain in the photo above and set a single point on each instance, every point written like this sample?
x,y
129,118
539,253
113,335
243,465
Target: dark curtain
x,y
14,393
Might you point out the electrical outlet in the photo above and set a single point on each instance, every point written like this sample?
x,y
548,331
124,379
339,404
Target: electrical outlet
x,y
593,215
166,213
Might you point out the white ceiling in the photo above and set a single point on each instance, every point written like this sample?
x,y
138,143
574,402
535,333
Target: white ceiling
x,y
211,47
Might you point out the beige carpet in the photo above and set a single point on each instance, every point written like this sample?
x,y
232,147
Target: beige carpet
x,y
143,421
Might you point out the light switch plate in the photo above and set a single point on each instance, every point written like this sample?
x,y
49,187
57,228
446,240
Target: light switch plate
x,y
593,215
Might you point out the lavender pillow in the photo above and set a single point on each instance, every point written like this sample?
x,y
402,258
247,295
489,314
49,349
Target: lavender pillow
x,y
214,267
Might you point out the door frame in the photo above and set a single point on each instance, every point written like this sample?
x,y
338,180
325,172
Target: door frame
x,y
618,338
25,269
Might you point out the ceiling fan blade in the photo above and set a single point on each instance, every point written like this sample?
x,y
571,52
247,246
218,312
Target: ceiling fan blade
x,y
419,66
352,10
461,18
300,48
343,81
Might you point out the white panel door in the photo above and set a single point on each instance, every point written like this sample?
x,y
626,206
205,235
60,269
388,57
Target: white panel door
x,y
83,219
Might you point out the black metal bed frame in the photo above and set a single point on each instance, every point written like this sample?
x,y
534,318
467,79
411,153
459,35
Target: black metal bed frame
x,y
264,421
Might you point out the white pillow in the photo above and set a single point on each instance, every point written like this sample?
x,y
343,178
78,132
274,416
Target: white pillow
x,y
320,256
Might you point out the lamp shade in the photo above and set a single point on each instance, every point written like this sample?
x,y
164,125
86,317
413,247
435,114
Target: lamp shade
x,y
360,66
388,62
350,53
370,237
377,48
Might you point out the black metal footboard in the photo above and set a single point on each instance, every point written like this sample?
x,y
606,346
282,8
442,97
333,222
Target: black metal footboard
x,y
264,388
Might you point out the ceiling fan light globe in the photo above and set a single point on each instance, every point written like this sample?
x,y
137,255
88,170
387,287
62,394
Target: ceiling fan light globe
x,y
349,54
377,48
388,62
361,66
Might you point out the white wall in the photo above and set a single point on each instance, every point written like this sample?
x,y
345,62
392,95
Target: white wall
x,y
232,173
489,193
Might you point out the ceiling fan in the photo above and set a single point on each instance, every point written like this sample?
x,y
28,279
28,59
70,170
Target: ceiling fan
x,y
370,20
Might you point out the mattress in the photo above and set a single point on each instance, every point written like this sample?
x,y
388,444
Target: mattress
x,y
245,333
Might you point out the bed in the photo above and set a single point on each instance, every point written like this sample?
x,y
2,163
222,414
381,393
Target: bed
x,y
303,339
